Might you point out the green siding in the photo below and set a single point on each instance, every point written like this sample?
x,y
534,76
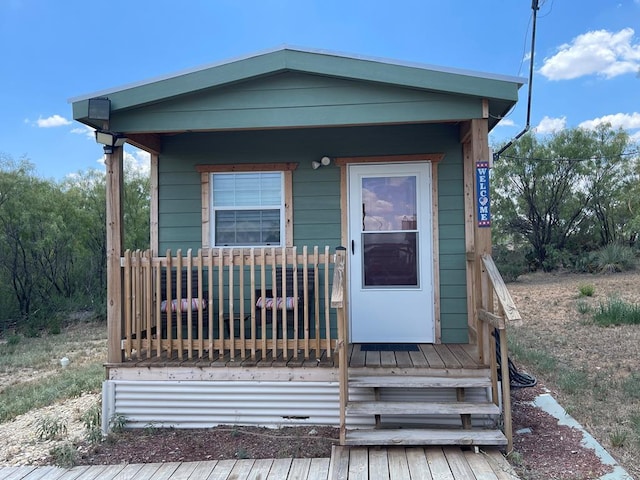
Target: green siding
x,y
316,193
185,90
297,100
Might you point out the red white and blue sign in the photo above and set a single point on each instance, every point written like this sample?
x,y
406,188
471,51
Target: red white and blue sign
x,y
482,190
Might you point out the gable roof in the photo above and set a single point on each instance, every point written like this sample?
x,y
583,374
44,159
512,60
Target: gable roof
x,y
500,91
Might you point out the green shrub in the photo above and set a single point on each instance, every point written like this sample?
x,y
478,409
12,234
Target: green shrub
x,y
117,423
618,437
49,428
615,258
92,420
64,455
617,312
583,307
587,290
511,261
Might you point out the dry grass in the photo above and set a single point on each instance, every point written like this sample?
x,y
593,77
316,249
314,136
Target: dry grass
x,y
592,370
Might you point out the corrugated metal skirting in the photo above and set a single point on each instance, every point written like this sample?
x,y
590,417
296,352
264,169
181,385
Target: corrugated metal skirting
x,y
203,404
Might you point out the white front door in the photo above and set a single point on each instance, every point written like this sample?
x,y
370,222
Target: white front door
x,y
391,253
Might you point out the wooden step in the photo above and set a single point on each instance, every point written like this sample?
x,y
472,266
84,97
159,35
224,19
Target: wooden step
x,y
424,436
422,408
405,381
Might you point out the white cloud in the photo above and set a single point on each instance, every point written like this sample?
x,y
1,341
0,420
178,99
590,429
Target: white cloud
x,y
551,125
625,121
506,122
135,160
84,130
599,52
52,121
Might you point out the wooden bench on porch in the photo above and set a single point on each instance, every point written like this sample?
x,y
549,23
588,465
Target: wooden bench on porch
x,y
283,304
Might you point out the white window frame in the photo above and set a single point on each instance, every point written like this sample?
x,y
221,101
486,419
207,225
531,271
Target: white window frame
x,y
236,208
286,209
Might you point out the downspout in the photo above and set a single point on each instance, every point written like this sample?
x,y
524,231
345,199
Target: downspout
x,y
535,8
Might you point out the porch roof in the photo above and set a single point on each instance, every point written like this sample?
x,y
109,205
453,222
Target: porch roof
x,y
131,105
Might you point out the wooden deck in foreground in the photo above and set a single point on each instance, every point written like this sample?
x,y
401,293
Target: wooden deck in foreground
x,y
353,463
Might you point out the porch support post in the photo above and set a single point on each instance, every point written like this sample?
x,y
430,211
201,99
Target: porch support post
x,y
114,182
484,297
153,210
475,145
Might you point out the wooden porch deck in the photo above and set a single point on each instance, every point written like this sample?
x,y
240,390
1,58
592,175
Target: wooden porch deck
x,y
428,357
354,463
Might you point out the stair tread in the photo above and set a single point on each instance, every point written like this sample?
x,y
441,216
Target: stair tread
x,y
406,381
425,408
426,436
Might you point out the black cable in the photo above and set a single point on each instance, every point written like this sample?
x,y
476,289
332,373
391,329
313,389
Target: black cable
x,y
516,379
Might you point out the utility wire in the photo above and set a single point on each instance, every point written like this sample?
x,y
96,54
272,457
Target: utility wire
x,y
565,159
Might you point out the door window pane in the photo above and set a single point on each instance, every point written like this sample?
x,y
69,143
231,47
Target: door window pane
x,y
389,203
390,259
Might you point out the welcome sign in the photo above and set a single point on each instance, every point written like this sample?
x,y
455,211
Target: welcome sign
x,y
482,189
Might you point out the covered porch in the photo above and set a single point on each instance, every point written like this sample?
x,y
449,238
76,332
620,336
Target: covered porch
x,y
220,331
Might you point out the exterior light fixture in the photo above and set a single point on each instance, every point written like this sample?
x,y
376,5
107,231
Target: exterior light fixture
x,y
99,108
110,140
324,161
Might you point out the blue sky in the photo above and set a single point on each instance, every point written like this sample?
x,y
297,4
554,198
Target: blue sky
x,y
587,55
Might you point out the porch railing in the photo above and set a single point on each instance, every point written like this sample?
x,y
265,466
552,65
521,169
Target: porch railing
x,y
494,316
231,302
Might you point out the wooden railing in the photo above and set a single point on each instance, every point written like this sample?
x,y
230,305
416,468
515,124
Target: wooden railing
x,y
494,316
338,301
212,308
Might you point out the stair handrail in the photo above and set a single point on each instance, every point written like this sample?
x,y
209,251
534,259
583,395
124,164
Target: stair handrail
x,y
506,312
338,295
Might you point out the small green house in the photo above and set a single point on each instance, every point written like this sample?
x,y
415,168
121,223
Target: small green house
x,y
320,248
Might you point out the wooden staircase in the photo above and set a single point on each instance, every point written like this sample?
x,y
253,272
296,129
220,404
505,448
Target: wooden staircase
x,y
435,433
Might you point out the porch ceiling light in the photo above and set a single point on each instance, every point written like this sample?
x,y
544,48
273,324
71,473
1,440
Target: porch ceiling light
x,y
110,140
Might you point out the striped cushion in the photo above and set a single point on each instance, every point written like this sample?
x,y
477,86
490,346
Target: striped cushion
x,y
269,303
184,305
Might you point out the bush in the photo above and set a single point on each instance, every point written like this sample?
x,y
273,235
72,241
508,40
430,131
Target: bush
x,y
586,290
64,455
617,312
615,258
50,428
511,261
92,420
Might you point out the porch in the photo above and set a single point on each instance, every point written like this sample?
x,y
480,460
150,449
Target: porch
x,y
221,337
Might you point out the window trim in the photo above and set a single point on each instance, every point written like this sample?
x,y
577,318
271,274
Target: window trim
x,y
205,176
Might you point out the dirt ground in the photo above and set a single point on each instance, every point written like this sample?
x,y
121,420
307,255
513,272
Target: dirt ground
x,y
222,442
599,361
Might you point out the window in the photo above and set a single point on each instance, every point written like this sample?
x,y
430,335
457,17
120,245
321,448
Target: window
x,y
247,205
247,208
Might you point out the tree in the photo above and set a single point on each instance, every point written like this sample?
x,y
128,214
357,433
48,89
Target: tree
x,y
35,244
52,239
566,187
